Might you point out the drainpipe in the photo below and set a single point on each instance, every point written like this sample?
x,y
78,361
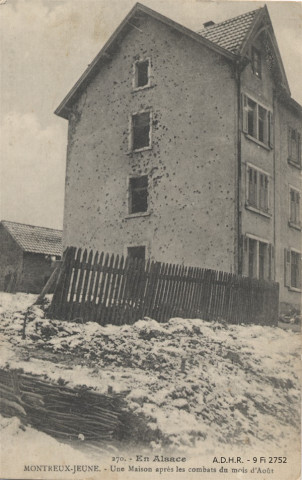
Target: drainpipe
x,y
273,260
238,193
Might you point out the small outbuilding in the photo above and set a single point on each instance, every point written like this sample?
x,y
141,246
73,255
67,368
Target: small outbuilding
x,y
28,255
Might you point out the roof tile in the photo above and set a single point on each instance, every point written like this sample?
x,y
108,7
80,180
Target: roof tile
x,y
231,33
47,241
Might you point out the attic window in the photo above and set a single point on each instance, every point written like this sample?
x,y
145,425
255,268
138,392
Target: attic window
x,y
256,62
142,74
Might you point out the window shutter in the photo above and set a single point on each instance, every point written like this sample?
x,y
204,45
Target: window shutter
x,y
300,272
287,273
292,198
244,113
299,148
270,130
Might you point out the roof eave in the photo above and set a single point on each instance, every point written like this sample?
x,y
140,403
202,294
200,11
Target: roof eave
x,y
64,108
285,98
35,252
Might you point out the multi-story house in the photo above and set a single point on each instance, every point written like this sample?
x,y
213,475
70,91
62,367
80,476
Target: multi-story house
x,y
184,147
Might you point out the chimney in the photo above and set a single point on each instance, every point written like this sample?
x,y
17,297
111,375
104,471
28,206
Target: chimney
x,y
208,24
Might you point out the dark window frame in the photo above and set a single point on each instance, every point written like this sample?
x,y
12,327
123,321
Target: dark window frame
x,y
138,82
256,62
259,254
141,131
294,207
257,121
258,189
136,248
295,269
294,147
138,195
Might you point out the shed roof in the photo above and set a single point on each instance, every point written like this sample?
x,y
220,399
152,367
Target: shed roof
x,y
30,238
230,34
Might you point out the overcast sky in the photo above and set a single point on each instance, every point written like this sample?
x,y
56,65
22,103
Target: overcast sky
x,y
45,46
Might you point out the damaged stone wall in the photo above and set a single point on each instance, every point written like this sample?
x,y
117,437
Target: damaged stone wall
x,y
191,164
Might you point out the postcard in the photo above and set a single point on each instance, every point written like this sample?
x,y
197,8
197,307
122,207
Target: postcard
x,y
150,240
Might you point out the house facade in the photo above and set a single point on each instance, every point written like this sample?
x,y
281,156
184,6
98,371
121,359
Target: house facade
x,y
184,147
28,256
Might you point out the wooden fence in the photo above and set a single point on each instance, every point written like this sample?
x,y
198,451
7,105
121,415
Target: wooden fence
x,y
117,290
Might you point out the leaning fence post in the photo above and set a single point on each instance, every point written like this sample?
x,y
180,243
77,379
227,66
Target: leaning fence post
x,y
54,309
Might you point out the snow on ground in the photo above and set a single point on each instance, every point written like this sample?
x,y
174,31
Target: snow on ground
x,y
35,448
200,384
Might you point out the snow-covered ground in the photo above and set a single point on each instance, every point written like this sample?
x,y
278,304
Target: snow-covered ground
x,y
201,385
26,446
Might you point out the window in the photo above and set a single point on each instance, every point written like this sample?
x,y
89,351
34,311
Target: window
x,y
257,189
252,116
256,62
263,192
258,258
138,252
141,131
294,207
138,194
262,124
294,147
292,268
257,121
142,74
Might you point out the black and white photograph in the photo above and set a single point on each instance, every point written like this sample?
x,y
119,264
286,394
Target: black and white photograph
x,y
150,240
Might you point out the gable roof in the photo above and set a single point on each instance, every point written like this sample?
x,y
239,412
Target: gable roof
x,y
229,38
30,238
231,33
235,35
63,108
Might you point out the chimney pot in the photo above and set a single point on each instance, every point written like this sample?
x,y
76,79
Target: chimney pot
x,y
208,24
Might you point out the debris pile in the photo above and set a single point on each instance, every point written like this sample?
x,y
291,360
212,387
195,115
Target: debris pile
x,y
196,384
